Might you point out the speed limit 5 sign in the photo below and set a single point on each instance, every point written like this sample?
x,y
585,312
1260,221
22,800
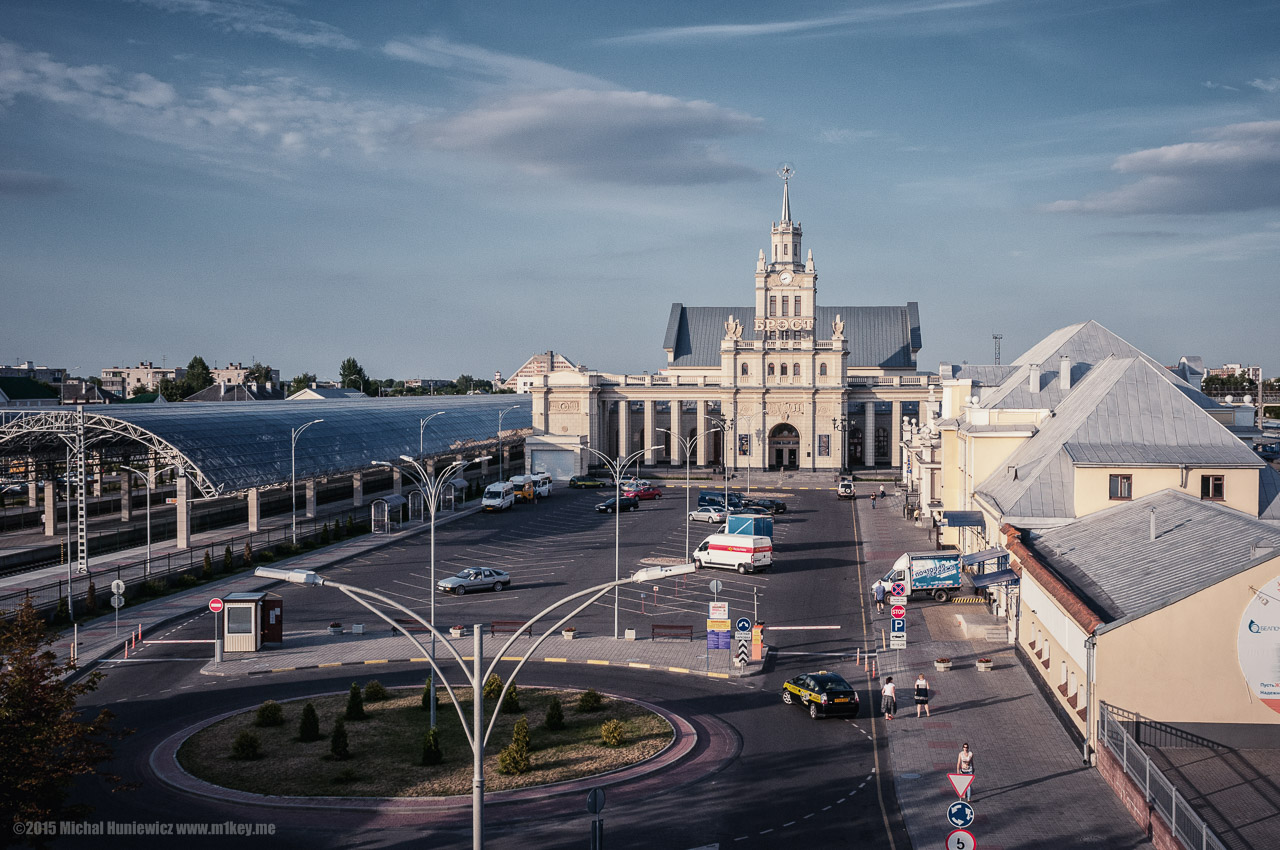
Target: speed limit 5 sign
x,y
961,839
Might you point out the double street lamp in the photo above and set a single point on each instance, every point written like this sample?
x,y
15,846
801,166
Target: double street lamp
x,y
293,476
477,734
686,444
431,488
150,478
617,467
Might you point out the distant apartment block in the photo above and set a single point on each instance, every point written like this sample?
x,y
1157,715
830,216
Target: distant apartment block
x,y
122,380
523,379
1230,370
47,374
238,373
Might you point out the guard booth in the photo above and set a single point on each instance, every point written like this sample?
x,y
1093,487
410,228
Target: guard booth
x,y
252,619
386,513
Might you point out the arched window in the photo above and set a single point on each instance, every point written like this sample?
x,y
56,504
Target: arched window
x,y
795,369
770,370
745,371
822,370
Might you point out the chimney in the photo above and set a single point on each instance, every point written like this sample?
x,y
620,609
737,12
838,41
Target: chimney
x,y
1153,525
1034,379
270,386
1064,372
1261,547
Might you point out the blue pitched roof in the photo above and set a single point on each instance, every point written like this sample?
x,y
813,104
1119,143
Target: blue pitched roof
x,y
887,337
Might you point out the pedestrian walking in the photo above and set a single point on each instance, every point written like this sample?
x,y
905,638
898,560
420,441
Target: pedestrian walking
x,y
964,764
873,501
882,492
888,698
922,695
877,590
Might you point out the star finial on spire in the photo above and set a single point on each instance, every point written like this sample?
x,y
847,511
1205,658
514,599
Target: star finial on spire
x,y
786,171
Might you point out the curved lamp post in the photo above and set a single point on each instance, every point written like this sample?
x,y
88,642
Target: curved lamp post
x,y
616,467
150,478
422,426
431,488
843,424
501,414
477,734
687,446
293,476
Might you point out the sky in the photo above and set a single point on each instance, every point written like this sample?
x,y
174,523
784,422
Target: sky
x,y
437,188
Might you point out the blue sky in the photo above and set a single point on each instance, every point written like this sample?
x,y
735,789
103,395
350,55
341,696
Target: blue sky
x,y
437,188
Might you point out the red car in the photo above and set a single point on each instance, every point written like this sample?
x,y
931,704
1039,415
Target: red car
x,y
646,493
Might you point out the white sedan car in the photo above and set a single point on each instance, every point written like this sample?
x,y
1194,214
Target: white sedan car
x,y
706,513
474,578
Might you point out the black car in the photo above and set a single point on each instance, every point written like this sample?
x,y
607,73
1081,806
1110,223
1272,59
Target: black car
x,y
629,503
585,482
824,692
752,510
776,506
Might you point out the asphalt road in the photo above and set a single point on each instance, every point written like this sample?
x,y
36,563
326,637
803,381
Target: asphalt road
x,y
787,779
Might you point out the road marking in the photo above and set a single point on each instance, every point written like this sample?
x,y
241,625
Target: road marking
x,y
594,661
557,660
678,669
330,664
377,661
638,664
790,823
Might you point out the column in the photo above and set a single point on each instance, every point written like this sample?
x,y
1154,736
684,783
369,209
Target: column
x,y
395,481
183,507
255,509
311,497
33,490
869,433
51,508
895,434
357,489
677,428
97,477
650,432
701,425
624,427
126,494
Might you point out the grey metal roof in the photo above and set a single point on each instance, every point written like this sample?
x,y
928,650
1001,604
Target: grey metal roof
x,y
986,374
1110,561
887,337
1269,495
1122,408
238,445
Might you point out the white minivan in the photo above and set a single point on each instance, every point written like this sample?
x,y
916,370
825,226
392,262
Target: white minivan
x,y
742,552
498,496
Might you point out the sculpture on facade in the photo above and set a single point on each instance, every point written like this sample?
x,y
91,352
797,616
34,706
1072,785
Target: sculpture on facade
x,y
837,327
733,328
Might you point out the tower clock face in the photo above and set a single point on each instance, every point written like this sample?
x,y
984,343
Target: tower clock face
x,y
785,277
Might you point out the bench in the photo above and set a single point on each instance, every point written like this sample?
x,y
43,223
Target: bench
x,y
409,625
509,627
671,630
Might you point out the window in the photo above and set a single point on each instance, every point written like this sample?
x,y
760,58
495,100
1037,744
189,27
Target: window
x,y
795,369
822,370
770,370
784,370
1121,487
785,249
773,305
745,371
785,304
797,305
786,334
1212,487
239,620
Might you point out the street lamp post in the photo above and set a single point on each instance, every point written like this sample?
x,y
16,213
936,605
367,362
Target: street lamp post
x,y
354,378
477,734
422,426
843,424
293,476
616,467
150,478
686,444
431,488
501,414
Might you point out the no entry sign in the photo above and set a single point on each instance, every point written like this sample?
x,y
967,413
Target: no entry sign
x,y
215,605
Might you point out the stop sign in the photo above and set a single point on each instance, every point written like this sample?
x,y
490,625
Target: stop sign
x,y
898,611
215,605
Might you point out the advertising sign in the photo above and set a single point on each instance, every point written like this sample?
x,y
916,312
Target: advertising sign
x,y
718,611
1258,644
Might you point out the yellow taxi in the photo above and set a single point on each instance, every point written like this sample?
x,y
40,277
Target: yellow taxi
x,y
824,692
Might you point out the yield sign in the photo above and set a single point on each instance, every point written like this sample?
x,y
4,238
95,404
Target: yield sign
x,y
960,782
898,611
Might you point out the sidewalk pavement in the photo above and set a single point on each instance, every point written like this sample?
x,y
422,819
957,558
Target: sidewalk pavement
x,y
1031,788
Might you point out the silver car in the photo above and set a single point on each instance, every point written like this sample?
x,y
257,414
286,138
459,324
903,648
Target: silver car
x,y
707,513
474,578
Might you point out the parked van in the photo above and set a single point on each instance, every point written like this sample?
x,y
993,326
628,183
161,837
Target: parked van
x,y
844,489
715,498
529,486
498,496
740,552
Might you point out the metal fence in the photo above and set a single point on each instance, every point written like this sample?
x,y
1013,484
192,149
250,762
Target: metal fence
x,y
1118,731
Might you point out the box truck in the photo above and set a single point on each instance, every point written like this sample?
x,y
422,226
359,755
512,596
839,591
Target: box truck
x,y
935,573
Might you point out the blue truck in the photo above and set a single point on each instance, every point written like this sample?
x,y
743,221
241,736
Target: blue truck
x,y
935,573
757,526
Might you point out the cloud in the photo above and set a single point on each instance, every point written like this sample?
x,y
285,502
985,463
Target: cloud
x,y
257,18
844,135
1210,84
1268,85
888,12
606,136
1238,169
510,71
28,184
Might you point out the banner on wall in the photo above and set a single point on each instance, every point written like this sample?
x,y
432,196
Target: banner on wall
x,y
1258,644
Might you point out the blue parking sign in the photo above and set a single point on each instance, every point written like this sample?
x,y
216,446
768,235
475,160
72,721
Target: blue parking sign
x,y
898,626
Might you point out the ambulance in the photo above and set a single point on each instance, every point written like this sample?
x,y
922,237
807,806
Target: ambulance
x,y
742,552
